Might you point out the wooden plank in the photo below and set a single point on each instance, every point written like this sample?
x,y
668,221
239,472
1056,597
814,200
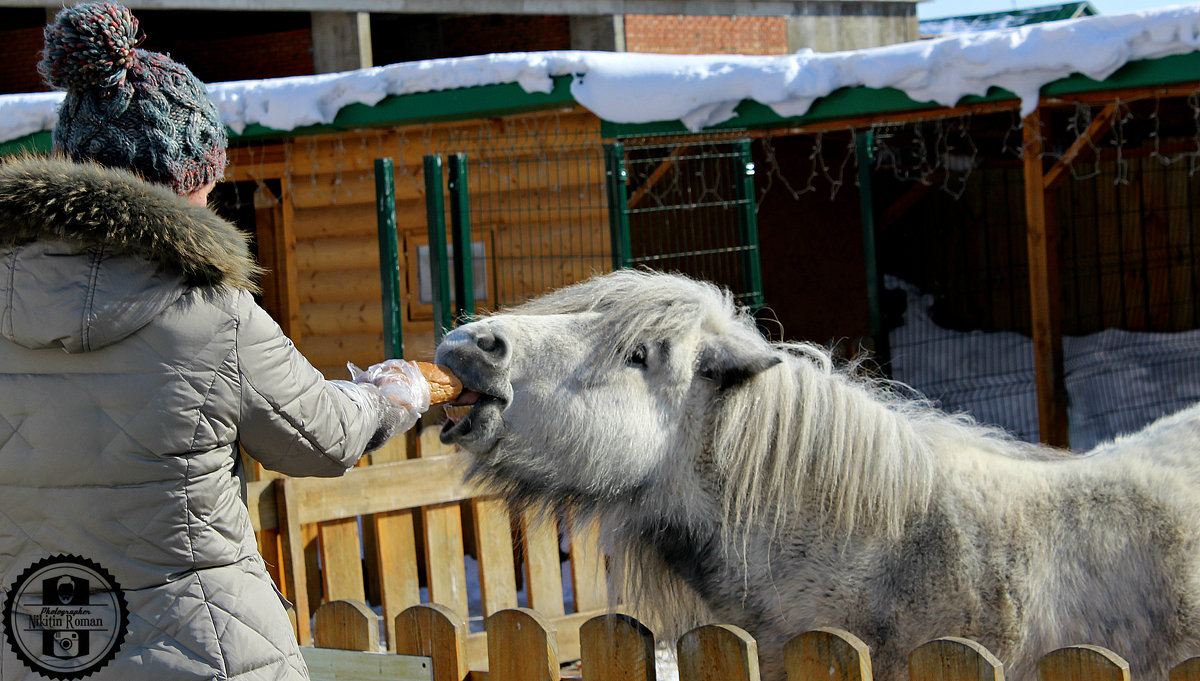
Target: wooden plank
x,y
445,566
543,571
616,648
341,559
437,632
494,548
285,268
1188,670
1083,663
589,583
344,317
382,488
1045,301
718,652
346,625
954,659
830,654
328,664
337,286
337,253
293,563
260,501
396,558
567,626
522,646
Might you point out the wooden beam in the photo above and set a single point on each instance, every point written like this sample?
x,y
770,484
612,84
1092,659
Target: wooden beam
x,y
286,273
1095,130
1045,296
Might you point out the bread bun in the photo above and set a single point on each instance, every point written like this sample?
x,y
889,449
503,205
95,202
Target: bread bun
x,y
443,385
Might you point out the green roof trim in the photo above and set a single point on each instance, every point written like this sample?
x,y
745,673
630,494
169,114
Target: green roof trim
x,y
34,143
1014,18
861,101
489,101
484,101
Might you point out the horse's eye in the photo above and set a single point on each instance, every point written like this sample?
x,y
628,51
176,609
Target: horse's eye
x,y
638,356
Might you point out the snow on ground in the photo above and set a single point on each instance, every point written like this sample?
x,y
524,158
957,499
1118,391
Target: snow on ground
x,y
1117,381
702,90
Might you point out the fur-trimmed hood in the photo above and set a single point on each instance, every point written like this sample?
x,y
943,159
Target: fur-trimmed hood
x,y
61,200
88,254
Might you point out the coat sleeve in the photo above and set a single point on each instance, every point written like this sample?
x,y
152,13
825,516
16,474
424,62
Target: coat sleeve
x,y
292,419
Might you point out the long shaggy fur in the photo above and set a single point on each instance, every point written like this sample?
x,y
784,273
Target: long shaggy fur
x,y
58,199
757,484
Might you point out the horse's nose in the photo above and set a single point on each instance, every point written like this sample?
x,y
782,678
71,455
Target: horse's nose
x,y
476,342
491,343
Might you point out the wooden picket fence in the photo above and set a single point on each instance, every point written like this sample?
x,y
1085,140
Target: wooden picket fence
x,y
523,646
387,528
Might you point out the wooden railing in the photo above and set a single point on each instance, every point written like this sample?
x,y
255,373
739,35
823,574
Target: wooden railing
x,y
388,529
523,646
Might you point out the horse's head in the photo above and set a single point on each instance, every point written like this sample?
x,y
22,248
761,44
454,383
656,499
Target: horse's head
x,y
586,392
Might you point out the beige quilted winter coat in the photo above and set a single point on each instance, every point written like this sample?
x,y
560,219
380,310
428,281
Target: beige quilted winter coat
x,y
132,360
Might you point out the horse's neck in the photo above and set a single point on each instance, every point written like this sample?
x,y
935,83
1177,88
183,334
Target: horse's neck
x,y
813,446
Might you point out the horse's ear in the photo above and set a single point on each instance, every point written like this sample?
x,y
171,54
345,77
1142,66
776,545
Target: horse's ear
x,y
729,364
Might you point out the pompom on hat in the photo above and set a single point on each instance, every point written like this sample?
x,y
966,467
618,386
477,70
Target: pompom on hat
x,y
127,107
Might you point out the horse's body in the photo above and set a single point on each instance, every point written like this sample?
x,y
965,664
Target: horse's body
x,y
788,495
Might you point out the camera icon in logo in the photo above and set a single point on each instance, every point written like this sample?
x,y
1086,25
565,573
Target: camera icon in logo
x,y
65,645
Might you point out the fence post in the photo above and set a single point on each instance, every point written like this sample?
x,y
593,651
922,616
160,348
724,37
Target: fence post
x,y
1188,670
831,654
615,178
718,652
389,257
748,226
954,659
616,648
864,144
435,216
346,625
522,646
437,632
460,235
1042,242
1083,663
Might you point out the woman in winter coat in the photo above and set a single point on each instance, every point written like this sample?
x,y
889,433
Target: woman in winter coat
x,y
133,361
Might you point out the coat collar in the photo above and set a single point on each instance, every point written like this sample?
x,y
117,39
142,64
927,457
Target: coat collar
x,y
57,199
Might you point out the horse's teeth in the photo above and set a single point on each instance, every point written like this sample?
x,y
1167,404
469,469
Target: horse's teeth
x,y
456,413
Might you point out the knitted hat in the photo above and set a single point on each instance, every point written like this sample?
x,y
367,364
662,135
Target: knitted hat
x,y
127,107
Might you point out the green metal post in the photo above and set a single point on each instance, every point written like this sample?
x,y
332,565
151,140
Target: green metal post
x,y
439,276
460,235
389,258
748,227
616,177
864,144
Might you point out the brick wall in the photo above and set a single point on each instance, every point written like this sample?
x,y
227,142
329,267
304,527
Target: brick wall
x,y
18,69
488,33
673,34
248,57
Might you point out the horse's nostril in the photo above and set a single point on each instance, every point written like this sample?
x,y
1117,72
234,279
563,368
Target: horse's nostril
x,y
490,343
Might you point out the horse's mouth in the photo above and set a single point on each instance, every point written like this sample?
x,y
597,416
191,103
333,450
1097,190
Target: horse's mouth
x,y
470,418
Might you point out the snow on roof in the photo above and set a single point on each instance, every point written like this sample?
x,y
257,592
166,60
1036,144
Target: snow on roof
x,y
703,90
998,20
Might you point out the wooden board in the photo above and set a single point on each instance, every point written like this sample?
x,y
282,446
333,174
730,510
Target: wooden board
x,y
328,664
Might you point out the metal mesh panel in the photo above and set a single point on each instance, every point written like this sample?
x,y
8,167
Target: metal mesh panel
x,y
1128,271
686,211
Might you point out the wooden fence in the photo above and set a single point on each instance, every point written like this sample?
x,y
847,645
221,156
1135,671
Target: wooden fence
x,y
523,646
382,531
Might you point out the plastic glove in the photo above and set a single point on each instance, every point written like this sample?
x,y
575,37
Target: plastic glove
x,y
402,392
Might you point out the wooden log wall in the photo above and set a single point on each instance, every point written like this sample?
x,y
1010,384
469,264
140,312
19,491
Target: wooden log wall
x,y
537,197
